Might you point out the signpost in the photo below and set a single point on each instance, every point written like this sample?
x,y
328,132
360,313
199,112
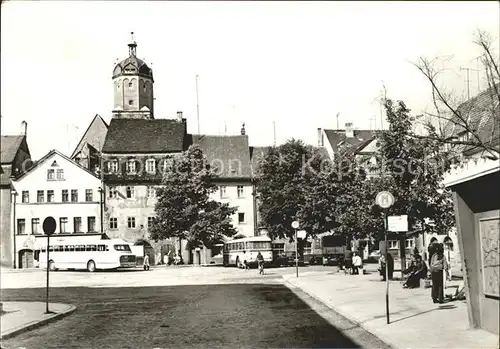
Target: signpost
x,y
385,200
49,227
295,225
397,223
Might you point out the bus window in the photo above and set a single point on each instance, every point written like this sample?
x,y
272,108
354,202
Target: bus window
x,y
66,248
91,248
58,248
122,248
101,248
80,248
42,249
71,248
51,248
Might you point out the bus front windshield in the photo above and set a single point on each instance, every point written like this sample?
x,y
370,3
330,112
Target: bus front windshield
x,y
122,248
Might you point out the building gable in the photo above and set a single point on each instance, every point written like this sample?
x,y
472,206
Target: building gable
x,y
93,136
69,171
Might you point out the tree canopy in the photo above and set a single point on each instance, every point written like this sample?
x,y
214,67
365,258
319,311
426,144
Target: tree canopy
x,y
184,208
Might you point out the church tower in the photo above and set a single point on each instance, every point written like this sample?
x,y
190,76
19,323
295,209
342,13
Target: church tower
x,y
133,87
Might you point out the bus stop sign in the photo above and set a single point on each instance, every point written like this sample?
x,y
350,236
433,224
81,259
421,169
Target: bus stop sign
x,y
384,199
49,225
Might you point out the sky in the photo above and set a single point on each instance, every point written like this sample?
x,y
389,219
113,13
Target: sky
x,y
295,65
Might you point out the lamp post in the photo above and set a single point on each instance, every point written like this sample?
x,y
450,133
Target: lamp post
x,y
14,196
295,225
101,202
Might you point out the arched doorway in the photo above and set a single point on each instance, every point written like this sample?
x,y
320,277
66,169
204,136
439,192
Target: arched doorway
x,y
26,259
148,250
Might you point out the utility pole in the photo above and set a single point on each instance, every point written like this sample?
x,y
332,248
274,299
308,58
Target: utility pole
x,y
468,80
197,105
337,121
274,133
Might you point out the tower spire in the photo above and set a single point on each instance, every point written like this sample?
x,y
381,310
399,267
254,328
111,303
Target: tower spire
x,y
132,47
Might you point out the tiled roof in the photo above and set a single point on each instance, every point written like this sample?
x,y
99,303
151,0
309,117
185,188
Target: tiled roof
x,y
230,154
257,153
339,142
483,115
95,123
9,146
145,136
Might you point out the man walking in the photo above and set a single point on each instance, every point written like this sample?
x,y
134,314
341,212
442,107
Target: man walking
x,y
260,262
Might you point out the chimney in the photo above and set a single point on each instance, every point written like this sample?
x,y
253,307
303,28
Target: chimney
x,y
349,130
179,116
243,129
320,137
24,128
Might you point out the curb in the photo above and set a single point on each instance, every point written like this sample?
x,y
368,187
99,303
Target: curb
x,y
35,324
341,313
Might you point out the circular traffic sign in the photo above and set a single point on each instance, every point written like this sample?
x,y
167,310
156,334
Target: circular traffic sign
x,y
295,224
49,225
384,199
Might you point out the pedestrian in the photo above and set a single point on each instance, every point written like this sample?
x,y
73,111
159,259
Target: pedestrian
x,y
432,248
245,264
438,264
260,262
146,262
357,263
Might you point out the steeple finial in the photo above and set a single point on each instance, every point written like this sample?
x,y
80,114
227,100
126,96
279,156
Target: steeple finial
x,y
132,46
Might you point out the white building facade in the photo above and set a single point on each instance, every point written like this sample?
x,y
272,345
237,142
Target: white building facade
x,y
56,186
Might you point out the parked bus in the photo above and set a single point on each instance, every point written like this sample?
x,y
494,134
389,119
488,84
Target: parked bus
x,y
84,252
239,251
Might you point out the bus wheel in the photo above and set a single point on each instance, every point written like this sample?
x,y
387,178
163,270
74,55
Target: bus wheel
x,y
52,265
91,266
237,262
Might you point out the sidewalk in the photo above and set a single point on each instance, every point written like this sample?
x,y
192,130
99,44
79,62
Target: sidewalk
x,y
415,322
18,317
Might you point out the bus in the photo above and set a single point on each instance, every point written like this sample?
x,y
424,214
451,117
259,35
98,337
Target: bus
x,y
84,252
239,251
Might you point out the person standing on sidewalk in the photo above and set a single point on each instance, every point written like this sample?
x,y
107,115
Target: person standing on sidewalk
x,y
438,264
357,263
146,262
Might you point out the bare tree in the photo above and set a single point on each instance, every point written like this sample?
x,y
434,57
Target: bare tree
x,y
471,124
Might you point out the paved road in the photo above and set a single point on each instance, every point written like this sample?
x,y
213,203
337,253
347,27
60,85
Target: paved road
x,y
221,308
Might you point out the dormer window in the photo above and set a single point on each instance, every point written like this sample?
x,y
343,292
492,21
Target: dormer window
x,y
131,166
150,166
51,175
113,166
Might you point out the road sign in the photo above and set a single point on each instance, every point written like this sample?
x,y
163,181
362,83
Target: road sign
x,y
49,225
384,199
295,224
397,223
301,234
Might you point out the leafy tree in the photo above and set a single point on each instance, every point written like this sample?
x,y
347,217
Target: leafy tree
x,y
413,170
184,208
293,183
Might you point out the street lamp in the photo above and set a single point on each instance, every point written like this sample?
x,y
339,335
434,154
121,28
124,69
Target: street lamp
x,y
14,196
101,204
295,225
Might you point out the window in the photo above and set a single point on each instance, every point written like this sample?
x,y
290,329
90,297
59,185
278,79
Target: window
x,y
409,243
77,224
131,222
130,102
21,226
91,224
40,197
144,87
113,166
150,221
223,193
130,85
151,192
60,174
113,223
113,192
278,249
35,226
91,248
26,196
51,175
102,248
65,197
74,195
150,166
393,244
307,247
241,191
89,196
130,192
63,224
241,217
131,166
50,196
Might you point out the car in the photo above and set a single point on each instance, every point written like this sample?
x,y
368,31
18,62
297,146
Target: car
x,y
332,259
316,260
217,259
